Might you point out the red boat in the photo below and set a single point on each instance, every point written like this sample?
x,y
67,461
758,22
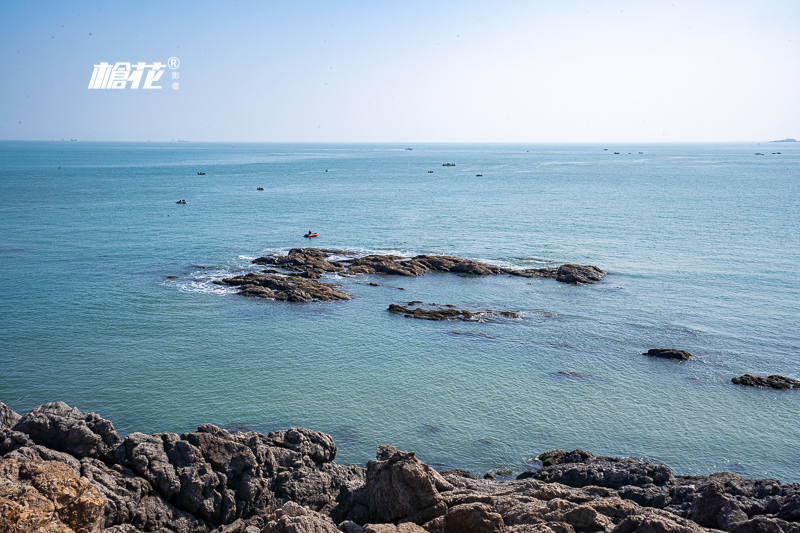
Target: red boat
x,y
311,235
259,188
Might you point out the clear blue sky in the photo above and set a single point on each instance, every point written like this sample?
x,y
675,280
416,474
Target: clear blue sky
x,y
413,71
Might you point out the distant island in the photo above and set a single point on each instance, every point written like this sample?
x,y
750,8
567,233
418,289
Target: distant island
x,y
785,141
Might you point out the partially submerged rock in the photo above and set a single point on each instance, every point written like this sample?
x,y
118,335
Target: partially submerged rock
x,y
668,353
769,382
288,288
318,261
446,312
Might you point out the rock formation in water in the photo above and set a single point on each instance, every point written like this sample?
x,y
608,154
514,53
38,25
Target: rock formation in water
x,y
303,266
447,312
64,471
668,353
769,382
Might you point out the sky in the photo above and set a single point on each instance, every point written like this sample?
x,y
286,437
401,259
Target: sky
x,y
412,71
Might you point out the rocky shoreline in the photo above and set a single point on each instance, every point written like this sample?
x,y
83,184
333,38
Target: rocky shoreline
x,y
62,470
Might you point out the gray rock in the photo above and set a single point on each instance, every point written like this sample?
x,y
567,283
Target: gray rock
x,y
63,428
401,487
579,274
7,417
668,353
769,382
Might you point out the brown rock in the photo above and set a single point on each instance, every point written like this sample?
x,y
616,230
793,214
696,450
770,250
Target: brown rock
x,y
407,527
472,518
46,496
293,518
400,487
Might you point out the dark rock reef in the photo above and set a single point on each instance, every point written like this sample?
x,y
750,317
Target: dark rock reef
x,y
296,281
64,471
668,353
317,261
296,288
447,312
769,382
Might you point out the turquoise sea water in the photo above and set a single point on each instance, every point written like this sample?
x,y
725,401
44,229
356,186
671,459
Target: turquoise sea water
x,y
700,241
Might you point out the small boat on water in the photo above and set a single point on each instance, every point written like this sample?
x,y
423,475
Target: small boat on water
x,y
201,173
478,175
181,202
449,165
430,172
309,235
259,188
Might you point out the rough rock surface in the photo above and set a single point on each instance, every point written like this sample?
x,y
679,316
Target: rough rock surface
x,y
769,382
62,428
668,353
313,262
447,312
46,496
288,288
7,417
286,482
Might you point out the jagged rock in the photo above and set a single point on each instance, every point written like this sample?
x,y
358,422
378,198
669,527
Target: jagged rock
x,y
408,527
769,382
668,353
556,457
287,481
305,259
7,417
46,496
315,262
472,518
578,274
708,504
401,487
290,289
293,518
609,472
66,429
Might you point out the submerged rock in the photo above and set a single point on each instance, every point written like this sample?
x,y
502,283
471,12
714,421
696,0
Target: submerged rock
x,y
447,312
769,382
668,353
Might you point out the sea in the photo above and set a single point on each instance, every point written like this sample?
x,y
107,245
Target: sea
x,y
108,302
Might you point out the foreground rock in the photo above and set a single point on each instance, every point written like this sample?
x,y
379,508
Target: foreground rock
x,y
769,382
286,482
447,312
668,353
46,496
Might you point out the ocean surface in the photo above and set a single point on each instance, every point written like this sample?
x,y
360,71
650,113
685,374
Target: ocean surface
x,y
701,243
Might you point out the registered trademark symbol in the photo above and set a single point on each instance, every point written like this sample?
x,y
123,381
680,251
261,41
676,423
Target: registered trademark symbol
x,y
173,63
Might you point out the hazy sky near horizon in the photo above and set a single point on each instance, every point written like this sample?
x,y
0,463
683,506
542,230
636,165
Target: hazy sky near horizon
x,y
414,71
